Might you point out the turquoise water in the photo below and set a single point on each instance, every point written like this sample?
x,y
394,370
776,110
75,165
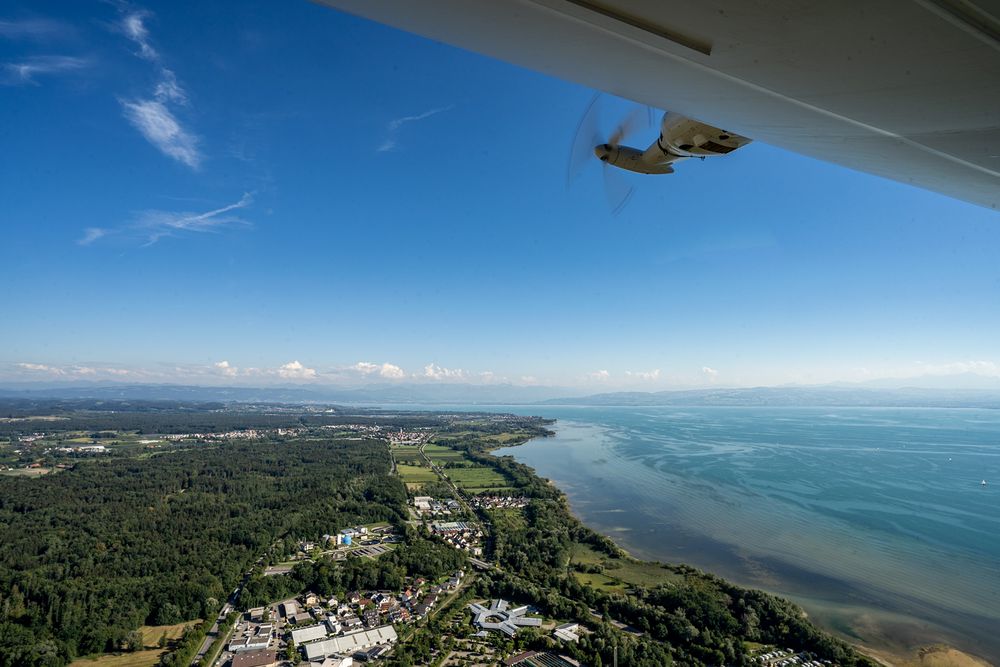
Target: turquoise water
x,y
873,519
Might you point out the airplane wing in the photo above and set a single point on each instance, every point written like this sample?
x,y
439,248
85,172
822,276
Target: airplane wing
x,y
905,89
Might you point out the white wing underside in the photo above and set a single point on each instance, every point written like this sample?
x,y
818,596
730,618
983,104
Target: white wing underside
x,y
908,90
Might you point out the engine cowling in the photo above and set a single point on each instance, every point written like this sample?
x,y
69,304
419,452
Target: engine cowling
x,y
686,137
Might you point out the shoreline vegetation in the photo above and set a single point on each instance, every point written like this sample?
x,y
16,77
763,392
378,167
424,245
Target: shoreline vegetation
x,y
655,613
932,655
161,512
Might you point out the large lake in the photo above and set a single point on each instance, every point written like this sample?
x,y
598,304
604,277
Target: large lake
x,y
874,520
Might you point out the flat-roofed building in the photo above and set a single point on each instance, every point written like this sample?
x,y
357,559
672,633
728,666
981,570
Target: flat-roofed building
x,y
309,633
500,617
337,661
350,643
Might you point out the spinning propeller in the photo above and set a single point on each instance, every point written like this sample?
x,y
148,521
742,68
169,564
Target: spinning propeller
x,y
588,142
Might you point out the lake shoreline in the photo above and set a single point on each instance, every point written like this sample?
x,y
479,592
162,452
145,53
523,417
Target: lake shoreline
x,y
904,649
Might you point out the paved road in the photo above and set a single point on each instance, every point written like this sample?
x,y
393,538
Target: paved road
x,y
226,608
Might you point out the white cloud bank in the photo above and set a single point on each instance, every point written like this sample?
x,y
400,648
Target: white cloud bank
x,y
294,370
434,372
385,370
226,369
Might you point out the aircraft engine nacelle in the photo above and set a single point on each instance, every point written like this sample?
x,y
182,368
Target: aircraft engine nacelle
x,y
685,137
630,159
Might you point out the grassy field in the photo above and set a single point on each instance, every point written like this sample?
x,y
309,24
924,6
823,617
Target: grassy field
x,y
441,455
406,454
475,480
138,659
415,474
583,553
151,633
150,636
600,581
26,472
623,571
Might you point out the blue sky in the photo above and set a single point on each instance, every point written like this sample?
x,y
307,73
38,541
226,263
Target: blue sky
x,y
285,193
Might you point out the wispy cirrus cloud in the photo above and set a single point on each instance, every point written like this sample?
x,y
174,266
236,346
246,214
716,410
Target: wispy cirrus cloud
x,y
156,224
28,70
153,116
76,371
151,225
91,234
162,129
36,29
133,26
292,371
392,128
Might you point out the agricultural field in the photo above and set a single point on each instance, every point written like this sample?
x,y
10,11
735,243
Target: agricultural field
x,y
408,454
477,480
442,455
415,476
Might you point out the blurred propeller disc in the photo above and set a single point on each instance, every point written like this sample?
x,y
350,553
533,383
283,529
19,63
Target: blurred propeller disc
x,y
588,135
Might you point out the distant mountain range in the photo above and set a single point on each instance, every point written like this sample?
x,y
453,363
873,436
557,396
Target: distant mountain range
x,y
933,391
796,396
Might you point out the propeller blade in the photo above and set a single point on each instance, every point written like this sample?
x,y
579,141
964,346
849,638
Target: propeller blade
x,y
635,120
587,136
618,190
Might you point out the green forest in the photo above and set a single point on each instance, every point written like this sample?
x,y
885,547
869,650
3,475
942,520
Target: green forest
x,y
92,553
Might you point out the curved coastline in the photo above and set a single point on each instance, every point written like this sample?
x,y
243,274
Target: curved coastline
x,y
886,635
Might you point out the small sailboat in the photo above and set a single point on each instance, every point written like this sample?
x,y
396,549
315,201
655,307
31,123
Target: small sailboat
x,y
982,483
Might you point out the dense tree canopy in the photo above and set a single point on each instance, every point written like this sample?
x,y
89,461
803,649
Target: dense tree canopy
x,y
89,554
